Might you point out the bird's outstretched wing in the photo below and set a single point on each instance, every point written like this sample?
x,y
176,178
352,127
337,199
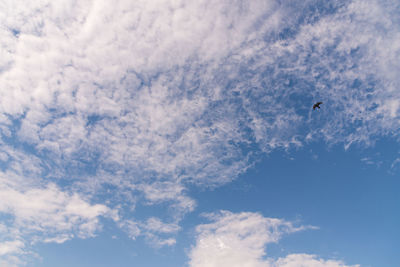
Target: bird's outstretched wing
x,y
316,105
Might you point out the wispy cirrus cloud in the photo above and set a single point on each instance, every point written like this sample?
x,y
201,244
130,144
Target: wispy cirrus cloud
x,y
349,60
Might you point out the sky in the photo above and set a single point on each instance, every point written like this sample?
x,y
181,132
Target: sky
x,y
181,133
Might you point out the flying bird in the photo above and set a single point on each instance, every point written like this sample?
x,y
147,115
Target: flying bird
x,y
316,105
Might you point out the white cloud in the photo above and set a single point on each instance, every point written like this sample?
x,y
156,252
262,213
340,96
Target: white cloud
x,y
11,247
305,260
35,213
395,164
158,242
51,211
11,261
156,232
172,192
130,227
156,225
239,239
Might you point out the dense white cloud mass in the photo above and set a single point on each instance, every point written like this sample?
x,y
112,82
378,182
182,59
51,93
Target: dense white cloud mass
x,y
239,239
236,239
134,100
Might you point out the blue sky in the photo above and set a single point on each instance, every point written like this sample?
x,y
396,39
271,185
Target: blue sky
x,y
181,133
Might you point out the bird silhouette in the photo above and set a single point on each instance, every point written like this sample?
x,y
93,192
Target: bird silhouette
x,y
316,105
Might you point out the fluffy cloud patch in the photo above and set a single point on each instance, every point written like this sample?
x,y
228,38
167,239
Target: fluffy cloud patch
x,y
239,239
11,247
33,214
51,212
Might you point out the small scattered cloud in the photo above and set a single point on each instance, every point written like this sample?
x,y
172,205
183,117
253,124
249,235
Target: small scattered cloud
x,y
306,260
156,232
395,164
156,225
130,227
374,161
157,242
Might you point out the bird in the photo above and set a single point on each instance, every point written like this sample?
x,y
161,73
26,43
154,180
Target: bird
x,y
316,105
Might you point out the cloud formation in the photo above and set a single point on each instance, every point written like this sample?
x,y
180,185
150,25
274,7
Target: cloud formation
x,y
44,214
127,104
239,239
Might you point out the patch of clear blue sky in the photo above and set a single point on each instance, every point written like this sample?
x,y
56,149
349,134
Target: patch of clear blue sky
x,y
355,206
353,203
